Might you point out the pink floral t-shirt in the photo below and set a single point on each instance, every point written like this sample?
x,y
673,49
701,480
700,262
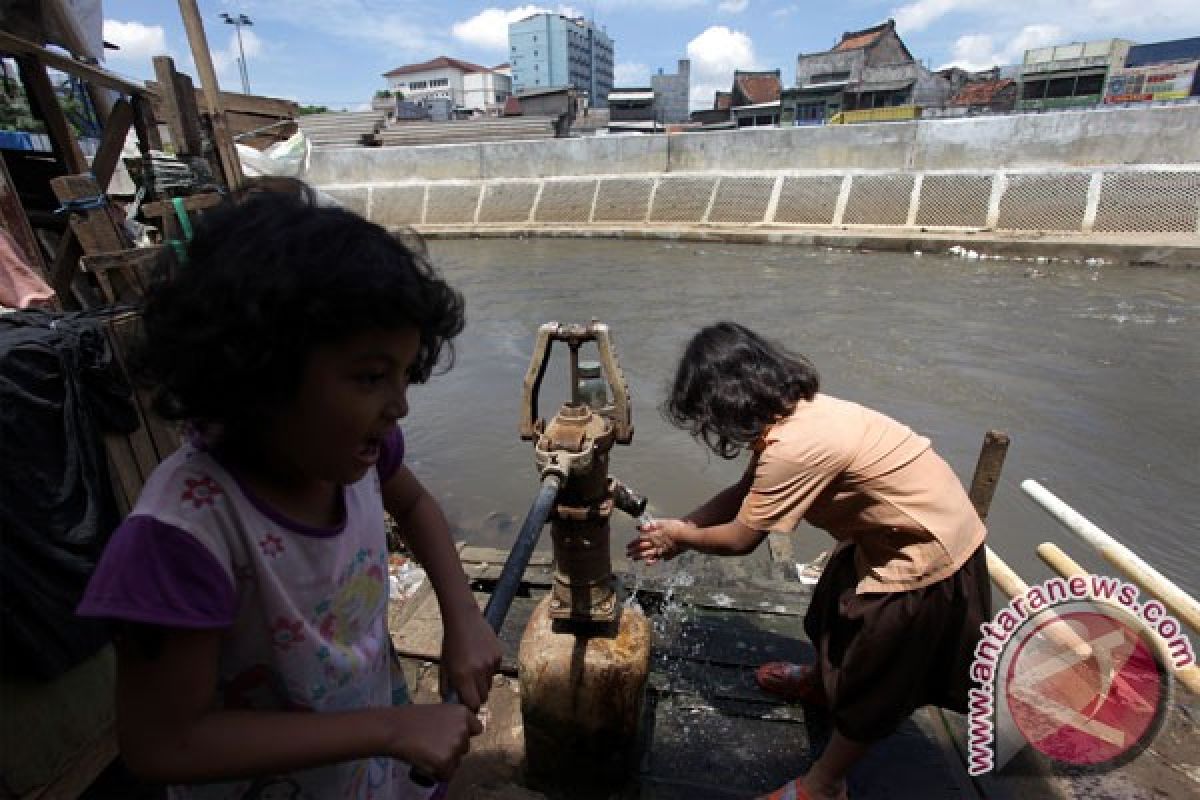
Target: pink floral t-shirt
x,y
303,609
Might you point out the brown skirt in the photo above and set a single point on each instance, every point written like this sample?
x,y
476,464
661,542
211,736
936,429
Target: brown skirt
x,y
883,656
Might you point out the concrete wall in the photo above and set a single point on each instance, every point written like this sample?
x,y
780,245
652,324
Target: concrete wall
x,y
599,155
1164,135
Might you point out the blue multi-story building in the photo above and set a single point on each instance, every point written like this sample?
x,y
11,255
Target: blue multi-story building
x,y
553,50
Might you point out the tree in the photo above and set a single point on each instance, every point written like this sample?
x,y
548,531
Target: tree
x,y
305,110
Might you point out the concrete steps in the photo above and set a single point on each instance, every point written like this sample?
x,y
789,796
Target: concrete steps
x,y
484,130
348,128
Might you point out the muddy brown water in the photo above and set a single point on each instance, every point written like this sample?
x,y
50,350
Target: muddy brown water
x,y
1093,372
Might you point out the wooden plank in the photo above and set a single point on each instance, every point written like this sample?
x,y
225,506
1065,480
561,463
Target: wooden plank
x,y
185,138
230,165
44,104
145,126
238,103
145,455
257,104
164,436
17,223
123,472
93,227
89,72
492,555
109,152
195,202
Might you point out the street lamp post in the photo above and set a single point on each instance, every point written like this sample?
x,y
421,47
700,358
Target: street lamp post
x,y
237,22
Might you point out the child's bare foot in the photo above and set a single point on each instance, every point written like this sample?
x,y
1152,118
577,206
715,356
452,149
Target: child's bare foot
x,y
807,787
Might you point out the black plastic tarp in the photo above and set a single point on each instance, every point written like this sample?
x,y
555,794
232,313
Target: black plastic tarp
x,y
61,388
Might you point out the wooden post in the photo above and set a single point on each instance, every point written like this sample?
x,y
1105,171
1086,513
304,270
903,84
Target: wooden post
x,y
987,471
145,126
178,107
109,152
232,168
1067,567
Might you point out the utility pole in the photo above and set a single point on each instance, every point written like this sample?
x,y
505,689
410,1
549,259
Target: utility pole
x,y
237,22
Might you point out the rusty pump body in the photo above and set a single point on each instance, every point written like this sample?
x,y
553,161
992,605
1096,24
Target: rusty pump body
x,y
584,658
576,445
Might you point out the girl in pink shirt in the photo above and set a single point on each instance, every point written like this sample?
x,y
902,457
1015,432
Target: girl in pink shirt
x,y
250,580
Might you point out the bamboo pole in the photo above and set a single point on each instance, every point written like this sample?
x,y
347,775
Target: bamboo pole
x,y
232,167
1067,567
1151,581
1012,585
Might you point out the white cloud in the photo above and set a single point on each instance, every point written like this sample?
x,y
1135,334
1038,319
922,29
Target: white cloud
x,y
733,6
1078,19
715,54
404,34
488,29
785,11
630,74
139,43
225,59
921,14
976,51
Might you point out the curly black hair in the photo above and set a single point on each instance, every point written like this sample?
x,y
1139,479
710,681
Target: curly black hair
x,y
268,277
731,384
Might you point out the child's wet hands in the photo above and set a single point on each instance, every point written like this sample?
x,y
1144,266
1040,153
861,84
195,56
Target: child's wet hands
x,y
471,654
433,737
656,541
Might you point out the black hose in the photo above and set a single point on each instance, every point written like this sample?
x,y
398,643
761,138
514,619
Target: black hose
x,y
510,577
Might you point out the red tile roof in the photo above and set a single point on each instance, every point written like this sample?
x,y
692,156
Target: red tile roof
x,y
980,94
856,40
723,101
441,62
758,87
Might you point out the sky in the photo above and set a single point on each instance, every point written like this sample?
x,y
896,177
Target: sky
x,y
334,52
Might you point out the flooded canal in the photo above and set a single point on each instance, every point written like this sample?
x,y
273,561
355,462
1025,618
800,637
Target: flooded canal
x,y
1094,373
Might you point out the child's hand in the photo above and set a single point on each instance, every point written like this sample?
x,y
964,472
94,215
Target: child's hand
x,y
433,738
657,541
471,655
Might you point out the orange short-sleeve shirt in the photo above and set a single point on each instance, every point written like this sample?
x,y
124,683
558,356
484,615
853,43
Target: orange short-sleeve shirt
x,y
866,478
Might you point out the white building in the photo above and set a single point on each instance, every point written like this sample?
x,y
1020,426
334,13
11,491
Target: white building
x,y
468,87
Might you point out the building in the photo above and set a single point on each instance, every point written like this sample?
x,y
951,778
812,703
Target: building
x,y
464,86
721,111
1068,75
996,96
672,93
486,90
553,50
560,102
866,69
633,109
754,98
651,108
1156,73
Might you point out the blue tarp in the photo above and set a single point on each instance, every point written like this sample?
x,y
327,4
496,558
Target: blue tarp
x,y
15,140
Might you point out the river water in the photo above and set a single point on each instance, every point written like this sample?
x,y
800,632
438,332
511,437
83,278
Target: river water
x,y
1093,372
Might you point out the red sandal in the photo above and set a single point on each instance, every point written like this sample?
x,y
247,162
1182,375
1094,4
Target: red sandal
x,y
792,790
795,683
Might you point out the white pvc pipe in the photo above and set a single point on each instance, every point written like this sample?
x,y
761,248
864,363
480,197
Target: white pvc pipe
x,y
1147,577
